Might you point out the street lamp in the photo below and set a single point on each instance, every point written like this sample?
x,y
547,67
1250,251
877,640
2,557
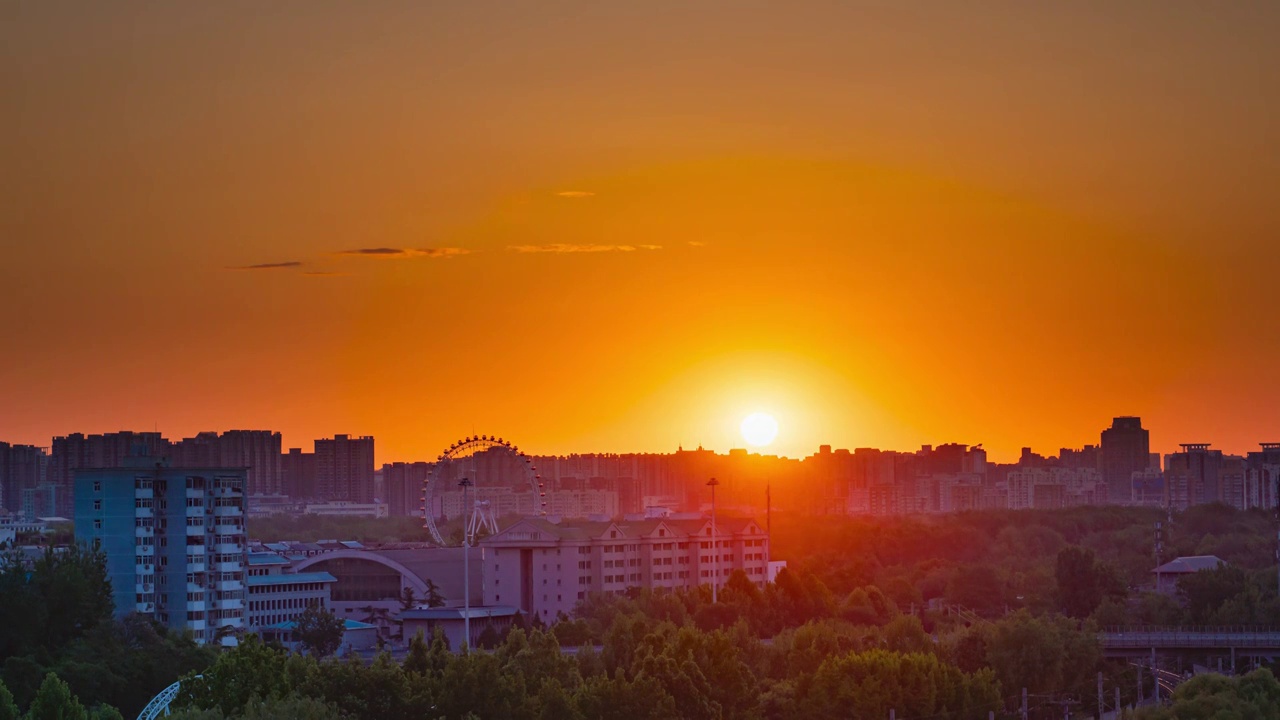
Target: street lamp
x,y
715,558
466,566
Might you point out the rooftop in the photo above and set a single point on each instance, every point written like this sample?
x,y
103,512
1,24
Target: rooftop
x,y
1190,564
456,613
347,625
289,579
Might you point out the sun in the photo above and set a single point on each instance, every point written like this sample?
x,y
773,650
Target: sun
x,y
759,429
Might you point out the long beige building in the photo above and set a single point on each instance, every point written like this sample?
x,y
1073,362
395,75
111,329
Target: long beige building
x,y
544,568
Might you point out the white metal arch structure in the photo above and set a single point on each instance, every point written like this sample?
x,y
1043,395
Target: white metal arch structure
x,y
160,703
481,498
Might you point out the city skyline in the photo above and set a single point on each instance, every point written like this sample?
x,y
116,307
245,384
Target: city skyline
x,y
620,228
182,444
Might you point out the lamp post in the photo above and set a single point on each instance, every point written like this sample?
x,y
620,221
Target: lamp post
x,y
715,558
466,566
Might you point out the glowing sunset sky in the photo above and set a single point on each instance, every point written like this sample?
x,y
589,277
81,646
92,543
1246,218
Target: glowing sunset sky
x,y
625,226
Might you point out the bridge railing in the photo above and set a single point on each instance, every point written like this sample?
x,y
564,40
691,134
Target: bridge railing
x,y
1190,636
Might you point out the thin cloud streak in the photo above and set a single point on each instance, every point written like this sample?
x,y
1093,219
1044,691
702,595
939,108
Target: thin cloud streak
x,y
564,248
395,253
576,194
267,266
325,273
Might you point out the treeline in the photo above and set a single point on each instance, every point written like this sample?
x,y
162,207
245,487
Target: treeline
x,y
994,562
57,633
643,670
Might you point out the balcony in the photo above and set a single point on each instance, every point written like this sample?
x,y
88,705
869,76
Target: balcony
x,y
143,512
228,548
195,530
236,566
228,511
230,586
197,511
195,606
143,588
144,532
144,493
231,604
147,550
196,625
144,569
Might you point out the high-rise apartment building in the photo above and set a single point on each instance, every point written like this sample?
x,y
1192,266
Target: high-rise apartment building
x,y
403,487
298,474
1126,448
256,450
1191,477
22,467
344,468
75,451
1262,477
174,540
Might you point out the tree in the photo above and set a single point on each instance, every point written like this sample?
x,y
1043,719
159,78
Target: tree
x,y
54,701
407,598
319,631
1084,582
8,710
1256,695
434,598
977,588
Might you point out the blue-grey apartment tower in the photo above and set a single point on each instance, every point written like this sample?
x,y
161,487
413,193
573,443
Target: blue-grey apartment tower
x,y
174,540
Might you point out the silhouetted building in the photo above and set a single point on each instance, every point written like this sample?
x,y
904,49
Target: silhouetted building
x,y
1262,477
344,468
403,487
298,474
22,467
1126,447
256,450
76,451
1191,477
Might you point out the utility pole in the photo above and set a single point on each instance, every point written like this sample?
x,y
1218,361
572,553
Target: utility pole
x,y
465,484
1100,706
1138,702
715,558
768,514
1117,702
1159,551
1155,674
1024,704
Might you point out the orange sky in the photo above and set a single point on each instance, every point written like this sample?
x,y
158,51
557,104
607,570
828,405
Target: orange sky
x,y
886,223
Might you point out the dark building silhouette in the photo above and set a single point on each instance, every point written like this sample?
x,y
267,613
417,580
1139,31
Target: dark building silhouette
x,y
1192,477
1262,479
298,474
1125,450
344,469
256,450
402,483
22,468
76,451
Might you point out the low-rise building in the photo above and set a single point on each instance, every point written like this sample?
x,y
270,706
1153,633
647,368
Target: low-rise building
x,y
1168,574
545,569
452,622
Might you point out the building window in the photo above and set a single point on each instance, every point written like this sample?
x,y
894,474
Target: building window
x,y
97,486
97,505
97,524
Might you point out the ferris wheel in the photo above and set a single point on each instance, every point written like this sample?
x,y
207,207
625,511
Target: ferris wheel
x,y
480,479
